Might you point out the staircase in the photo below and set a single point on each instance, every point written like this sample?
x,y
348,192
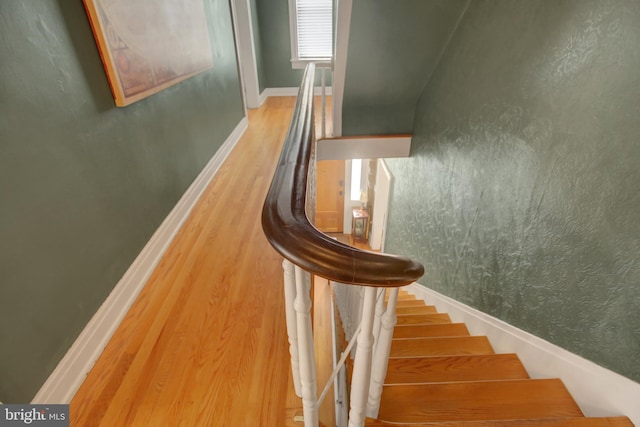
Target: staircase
x,y
440,375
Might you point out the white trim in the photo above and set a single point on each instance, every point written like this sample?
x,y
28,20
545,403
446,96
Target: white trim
x,y
364,147
348,204
243,28
382,193
263,97
290,91
293,33
598,391
301,64
67,377
343,24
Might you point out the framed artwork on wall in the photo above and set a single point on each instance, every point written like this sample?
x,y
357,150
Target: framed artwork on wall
x,y
149,45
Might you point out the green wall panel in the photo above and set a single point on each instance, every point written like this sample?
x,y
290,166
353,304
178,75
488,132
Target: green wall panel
x,y
275,47
393,47
522,196
85,184
276,44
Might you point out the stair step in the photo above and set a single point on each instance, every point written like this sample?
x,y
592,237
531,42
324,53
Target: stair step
x,y
423,319
402,296
436,330
545,422
440,346
422,309
414,370
480,400
411,303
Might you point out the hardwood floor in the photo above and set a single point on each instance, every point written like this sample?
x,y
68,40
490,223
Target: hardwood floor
x,y
205,342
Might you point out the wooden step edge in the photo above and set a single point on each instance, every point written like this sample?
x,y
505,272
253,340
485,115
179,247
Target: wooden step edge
x,y
417,309
445,339
441,346
478,401
532,422
433,330
423,319
459,368
410,303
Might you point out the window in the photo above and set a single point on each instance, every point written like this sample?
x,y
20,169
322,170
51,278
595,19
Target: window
x,y
311,24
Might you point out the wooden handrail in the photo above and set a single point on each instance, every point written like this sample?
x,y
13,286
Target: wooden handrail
x,y
289,231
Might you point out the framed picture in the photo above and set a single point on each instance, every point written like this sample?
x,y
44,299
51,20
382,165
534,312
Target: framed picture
x,y
149,45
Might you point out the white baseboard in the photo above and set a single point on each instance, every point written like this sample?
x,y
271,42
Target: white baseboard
x,y
67,377
597,390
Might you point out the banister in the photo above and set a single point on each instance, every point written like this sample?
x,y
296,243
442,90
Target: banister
x,y
289,231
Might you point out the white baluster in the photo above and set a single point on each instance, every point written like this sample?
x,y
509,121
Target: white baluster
x,y
292,329
380,309
302,306
381,356
362,364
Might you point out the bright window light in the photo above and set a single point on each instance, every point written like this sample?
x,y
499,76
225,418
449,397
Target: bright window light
x,y
311,29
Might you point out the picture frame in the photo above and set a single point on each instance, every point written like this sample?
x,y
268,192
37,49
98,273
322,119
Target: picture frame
x,y
147,46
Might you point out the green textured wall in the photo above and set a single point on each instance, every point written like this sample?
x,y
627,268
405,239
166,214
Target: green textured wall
x,y
393,47
522,197
85,184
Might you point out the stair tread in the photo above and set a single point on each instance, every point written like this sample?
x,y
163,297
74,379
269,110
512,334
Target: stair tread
x,y
423,319
435,330
532,422
479,400
422,309
402,295
410,303
412,370
440,346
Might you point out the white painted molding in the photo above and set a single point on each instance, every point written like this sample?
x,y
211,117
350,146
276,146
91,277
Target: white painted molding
x,y
290,91
382,193
67,377
598,391
343,27
263,97
241,11
363,147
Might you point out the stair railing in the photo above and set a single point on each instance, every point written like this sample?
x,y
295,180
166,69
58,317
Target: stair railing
x,y
288,205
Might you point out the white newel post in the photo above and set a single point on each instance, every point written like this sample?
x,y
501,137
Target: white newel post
x,y
362,363
306,354
292,329
381,356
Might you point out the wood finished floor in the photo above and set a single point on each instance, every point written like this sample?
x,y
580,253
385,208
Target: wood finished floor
x,y
205,342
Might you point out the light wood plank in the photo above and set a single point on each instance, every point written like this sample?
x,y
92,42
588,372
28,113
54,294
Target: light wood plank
x,y
410,303
481,400
440,346
422,309
436,330
423,319
412,370
536,422
205,342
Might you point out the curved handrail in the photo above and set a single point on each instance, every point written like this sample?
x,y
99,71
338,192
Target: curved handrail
x,y
289,231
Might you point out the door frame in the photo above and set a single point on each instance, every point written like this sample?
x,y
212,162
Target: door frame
x,y
247,66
